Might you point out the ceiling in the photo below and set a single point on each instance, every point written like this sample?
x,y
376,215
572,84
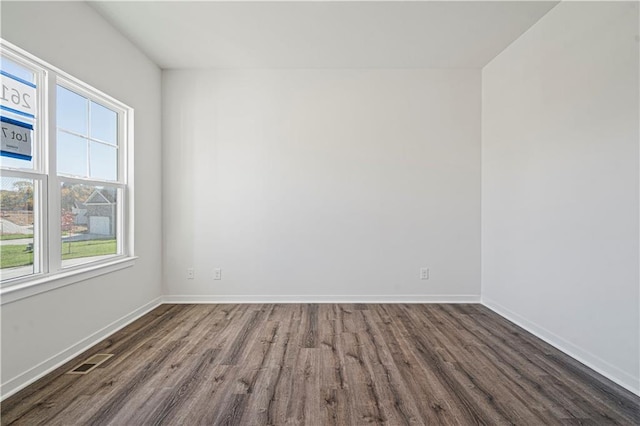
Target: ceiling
x,y
332,34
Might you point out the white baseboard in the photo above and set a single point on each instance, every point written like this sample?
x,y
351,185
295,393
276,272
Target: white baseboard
x,y
401,298
597,364
22,380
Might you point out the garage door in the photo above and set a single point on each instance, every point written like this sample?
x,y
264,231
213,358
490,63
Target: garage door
x,y
99,225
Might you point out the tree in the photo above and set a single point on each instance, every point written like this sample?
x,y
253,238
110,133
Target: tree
x,y
20,198
25,194
8,200
73,194
67,220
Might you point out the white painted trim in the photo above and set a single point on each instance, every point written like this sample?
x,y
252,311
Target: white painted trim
x,y
32,287
401,298
23,380
597,364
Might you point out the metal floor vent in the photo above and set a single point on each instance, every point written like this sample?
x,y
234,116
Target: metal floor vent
x,y
90,364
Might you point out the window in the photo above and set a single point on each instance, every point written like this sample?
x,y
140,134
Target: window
x,y
88,172
65,192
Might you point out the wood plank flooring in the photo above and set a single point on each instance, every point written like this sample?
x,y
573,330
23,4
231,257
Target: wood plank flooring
x,y
324,364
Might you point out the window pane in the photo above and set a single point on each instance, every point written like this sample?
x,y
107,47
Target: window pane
x,y
104,124
16,227
72,155
15,69
103,161
72,111
16,163
88,222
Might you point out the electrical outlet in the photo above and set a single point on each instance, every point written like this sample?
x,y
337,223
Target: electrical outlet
x,y
424,273
217,274
190,273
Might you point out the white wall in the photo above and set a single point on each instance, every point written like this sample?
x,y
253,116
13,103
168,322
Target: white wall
x,y
40,331
560,184
322,184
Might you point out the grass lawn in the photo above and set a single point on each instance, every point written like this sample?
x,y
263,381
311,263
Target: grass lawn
x,y
16,255
15,236
11,256
77,249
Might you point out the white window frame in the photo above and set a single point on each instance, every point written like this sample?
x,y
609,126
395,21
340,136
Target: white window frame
x,y
48,270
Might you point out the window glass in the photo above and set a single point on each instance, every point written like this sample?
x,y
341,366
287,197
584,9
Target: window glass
x,y
95,157
12,68
72,155
72,111
16,227
16,163
17,70
104,124
88,220
103,161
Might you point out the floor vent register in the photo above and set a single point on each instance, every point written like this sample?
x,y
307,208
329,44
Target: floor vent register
x,y
90,364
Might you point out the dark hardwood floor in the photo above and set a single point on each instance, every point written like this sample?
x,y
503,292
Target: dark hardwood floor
x,y
324,364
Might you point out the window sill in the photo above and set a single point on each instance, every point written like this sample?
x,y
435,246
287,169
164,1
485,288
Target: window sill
x,y
43,284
